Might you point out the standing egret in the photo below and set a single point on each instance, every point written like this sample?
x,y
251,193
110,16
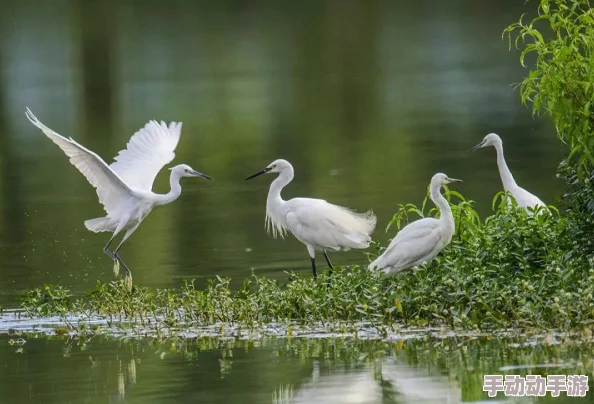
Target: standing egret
x,y
316,223
420,241
524,198
124,187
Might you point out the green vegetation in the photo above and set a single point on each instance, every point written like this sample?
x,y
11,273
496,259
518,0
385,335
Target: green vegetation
x,y
512,270
559,43
561,81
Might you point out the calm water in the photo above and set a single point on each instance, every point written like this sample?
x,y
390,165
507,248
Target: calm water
x,y
276,370
367,100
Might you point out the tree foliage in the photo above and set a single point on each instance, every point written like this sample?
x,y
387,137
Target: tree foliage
x,y
561,79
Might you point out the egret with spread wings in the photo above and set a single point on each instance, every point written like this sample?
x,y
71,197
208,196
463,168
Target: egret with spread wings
x,y
124,187
316,223
420,241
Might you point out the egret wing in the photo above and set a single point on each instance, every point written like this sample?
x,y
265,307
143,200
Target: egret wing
x,y
111,190
527,200
418,244
414,230
148,150
323,224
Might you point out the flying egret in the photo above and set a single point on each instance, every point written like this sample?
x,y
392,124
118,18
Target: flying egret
x,y
524,198
316,223
124,187
420,241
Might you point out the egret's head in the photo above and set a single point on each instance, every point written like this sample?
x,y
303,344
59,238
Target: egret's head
x,y
277,166
184,170
490,140
442,179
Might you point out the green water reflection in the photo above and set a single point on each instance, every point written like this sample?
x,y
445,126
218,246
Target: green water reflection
x,y
427,370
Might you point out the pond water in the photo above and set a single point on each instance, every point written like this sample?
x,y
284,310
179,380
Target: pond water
x,y
367,100
327,370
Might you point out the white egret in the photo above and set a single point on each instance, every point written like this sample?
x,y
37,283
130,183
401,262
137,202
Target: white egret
x,y
316,223
523,198
420,241
124,187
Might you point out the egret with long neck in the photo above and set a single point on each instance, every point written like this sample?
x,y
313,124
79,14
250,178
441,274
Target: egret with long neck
x,y
124,187
316,223
420,241
523,198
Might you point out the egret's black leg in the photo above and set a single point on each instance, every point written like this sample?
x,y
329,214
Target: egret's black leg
x,y
313,267
330,265
109,253
114,256
328,260
117,250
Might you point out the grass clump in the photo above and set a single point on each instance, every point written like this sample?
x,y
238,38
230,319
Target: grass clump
x,y
513,270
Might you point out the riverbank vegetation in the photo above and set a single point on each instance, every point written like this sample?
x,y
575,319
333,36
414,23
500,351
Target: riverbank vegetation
x,y
514,269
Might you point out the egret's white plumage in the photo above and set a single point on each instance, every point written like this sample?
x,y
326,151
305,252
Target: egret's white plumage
x,y
316,223
523,198
124,187
420,241
148,150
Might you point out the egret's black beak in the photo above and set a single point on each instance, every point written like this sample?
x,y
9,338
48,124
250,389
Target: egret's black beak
x,y
197,174
478,146
454,180
264,171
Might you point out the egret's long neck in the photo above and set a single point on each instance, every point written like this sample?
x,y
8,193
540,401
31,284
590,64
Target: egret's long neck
x,y
274,193
175,191
442,204
506,176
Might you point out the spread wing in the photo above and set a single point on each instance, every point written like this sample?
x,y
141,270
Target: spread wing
x,y
146,153
416,242
111,190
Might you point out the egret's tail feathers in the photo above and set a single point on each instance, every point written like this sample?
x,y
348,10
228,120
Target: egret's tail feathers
x,y
366,221
98,225
361,239
357,225
380,265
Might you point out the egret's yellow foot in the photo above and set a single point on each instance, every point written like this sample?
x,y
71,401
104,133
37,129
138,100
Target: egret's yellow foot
x,y
129,282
